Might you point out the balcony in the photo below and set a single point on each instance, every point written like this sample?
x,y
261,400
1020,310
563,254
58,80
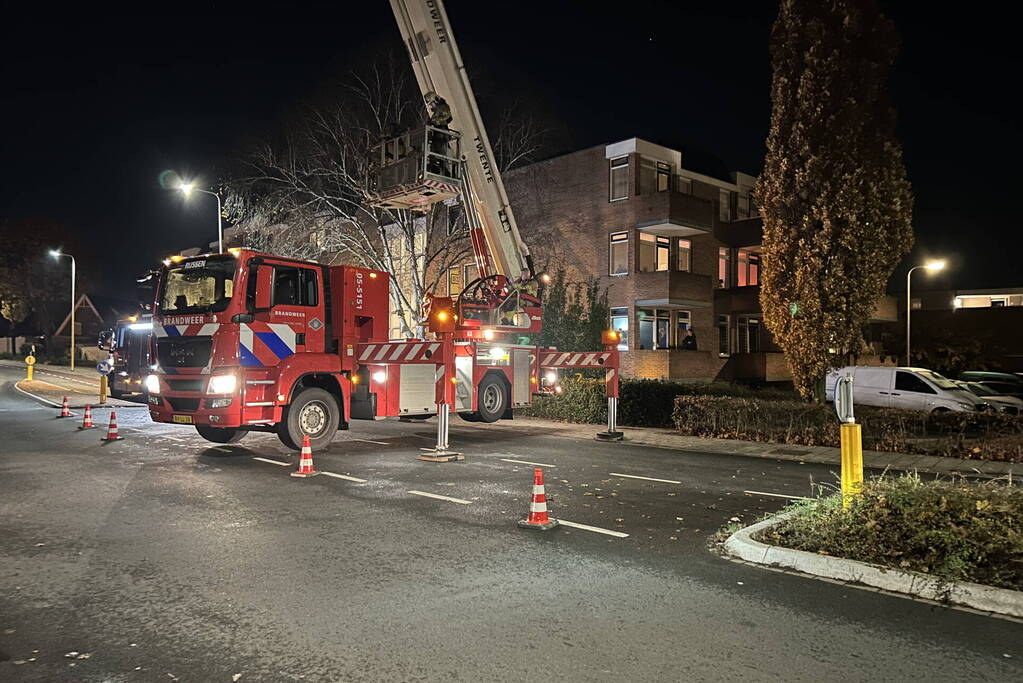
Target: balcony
x,y
673,213
671,289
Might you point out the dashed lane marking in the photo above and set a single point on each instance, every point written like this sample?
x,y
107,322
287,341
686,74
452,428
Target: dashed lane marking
x,y
597,529
382,443
526,462
343,476
633,476
775,495
272,462
439,497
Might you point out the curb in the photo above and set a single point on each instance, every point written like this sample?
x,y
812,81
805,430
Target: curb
x,y
914,584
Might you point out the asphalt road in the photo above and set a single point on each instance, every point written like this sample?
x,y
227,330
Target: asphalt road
x,y
162,557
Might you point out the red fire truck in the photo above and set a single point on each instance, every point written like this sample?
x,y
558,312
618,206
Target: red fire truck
x,y
246,341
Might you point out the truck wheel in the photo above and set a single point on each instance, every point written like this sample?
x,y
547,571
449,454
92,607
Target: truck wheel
x,y
491,399
221,434
314,412
470,417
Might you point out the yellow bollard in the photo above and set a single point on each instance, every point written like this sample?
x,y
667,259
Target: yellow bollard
x,y
852,461
30,360
102,388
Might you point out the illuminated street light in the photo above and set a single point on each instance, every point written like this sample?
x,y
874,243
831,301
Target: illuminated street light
x,y
187,189
932,266
57,253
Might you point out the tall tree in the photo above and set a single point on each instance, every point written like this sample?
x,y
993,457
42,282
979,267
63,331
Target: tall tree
x,y
836,203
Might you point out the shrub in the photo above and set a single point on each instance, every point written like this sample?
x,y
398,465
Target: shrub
x,y
981,436
954,530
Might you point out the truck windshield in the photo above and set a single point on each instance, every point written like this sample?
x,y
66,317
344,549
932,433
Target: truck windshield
x,y
200,286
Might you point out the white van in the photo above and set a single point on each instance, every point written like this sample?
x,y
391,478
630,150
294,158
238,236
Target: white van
x,y
905,388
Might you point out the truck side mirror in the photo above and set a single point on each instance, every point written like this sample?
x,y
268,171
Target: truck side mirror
x,y
264,287
105,340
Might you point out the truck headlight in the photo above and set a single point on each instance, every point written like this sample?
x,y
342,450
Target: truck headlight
x,y
153,384
551,377
222,384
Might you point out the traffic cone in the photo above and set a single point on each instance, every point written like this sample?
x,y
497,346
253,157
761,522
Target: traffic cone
x,y
305,464
87,420
538,518
112,434
65,410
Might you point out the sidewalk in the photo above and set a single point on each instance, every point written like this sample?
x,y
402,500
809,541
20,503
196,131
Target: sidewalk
x,y
664,438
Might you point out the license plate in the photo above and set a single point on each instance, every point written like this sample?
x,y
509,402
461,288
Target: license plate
x,y
182,419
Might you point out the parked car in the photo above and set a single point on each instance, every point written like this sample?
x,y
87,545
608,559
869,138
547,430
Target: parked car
x,y
905,388
999,377
998,401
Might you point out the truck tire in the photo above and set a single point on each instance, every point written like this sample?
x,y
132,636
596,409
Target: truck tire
x,y
313,412
221,434
491,398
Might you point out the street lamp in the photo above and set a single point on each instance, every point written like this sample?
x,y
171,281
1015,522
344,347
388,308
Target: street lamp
x,y
57,253
930,267
187,189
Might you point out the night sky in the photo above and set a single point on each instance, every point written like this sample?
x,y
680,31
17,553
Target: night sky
x,y
94,105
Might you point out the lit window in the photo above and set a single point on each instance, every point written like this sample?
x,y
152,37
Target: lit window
x,y
684,259
653,253
663,176
619,180
654,328
684,323
749,269
472,272
454,280
618,253
724,267
620,324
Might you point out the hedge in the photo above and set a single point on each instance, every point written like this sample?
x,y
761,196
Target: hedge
x,y
642,402
727,411
981,436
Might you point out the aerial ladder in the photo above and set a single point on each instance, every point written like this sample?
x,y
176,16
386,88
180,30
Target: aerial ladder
x,y
500,312
453,158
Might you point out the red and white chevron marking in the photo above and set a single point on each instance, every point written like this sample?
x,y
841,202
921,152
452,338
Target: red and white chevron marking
x,y
571,359
397,352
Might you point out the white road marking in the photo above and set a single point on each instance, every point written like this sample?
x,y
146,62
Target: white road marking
x,y
526,462
382,443
633,476
587,527
776,495
343,476
38,398
439,497
272,462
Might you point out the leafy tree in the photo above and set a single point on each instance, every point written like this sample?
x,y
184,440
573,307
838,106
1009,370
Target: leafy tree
x,y
574,314
836,203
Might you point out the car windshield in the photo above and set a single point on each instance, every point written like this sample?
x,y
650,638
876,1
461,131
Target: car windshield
x,y
985,389
199,286
939,381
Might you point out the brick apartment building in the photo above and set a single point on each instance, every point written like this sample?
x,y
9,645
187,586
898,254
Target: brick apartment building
x,y
677,250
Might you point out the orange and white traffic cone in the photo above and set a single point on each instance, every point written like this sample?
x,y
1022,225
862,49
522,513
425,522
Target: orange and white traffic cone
x,y
65,410
305,464
538,518
87,420
112,434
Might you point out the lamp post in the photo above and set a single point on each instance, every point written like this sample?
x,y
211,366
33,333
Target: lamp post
x,y
189,188
930,267
56,253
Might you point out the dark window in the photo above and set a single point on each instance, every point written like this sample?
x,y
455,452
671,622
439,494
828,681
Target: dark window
x,y
619,180
294,286
907,381
663,176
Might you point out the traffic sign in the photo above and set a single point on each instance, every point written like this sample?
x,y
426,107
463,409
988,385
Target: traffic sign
x,y
30,360
104,367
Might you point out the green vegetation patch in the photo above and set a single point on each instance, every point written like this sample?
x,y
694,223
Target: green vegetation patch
x,y
953,530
